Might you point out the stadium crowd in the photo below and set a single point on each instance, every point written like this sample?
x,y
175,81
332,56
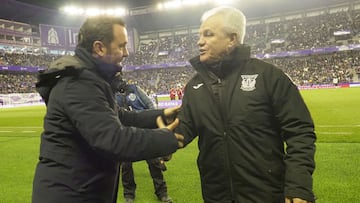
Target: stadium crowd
x,y
27,60
308,70
17,82
297,33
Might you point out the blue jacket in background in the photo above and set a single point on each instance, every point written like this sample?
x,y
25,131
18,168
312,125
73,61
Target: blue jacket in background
x,y
134,98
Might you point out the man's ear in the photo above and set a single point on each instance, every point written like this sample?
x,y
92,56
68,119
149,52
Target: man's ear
x,y
233,39
99,48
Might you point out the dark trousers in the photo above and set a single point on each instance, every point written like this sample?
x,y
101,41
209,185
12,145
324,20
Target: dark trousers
x,y
128,182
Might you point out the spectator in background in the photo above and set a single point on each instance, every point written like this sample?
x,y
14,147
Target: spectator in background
x,y
243,111
133,97
85,135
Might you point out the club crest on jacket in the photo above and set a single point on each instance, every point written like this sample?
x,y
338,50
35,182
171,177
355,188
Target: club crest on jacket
x,y
248,82
132,97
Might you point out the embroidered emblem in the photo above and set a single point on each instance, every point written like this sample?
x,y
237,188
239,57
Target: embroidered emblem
x,y
132,96
198,86
248,82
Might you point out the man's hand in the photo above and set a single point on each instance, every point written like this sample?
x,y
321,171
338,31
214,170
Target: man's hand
x,y
295,200
171,113
160,123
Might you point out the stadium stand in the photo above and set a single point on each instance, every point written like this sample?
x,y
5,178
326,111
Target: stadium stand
x,y
312,47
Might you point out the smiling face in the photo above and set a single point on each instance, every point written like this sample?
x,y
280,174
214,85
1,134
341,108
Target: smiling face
x,y
115,52
214,43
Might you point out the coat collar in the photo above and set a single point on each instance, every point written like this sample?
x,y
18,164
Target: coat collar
x,y
106,70
221,69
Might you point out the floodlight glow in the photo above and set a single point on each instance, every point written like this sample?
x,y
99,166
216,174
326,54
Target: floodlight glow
x,y
110,12
73,10
172,4
79,11
160,6
223,2
92,12
193,2
120,12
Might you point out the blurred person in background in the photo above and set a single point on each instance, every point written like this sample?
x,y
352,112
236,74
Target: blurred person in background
x,y
172,93
179,92
255,134
85,134
133,98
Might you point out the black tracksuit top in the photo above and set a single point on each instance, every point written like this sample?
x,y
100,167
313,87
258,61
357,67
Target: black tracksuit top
x,y
242,116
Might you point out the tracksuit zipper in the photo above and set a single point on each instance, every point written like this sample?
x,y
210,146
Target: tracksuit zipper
x,y
223,116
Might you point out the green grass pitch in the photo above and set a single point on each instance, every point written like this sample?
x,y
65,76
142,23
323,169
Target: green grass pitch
x,y
336,113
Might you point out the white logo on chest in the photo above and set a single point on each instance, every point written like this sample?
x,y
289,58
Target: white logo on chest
x,y
132,97
248,82
198,86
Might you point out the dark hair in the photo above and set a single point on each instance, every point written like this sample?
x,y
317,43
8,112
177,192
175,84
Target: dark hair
x,y
99,28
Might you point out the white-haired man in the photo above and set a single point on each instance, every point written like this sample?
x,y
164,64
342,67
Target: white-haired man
x,y
243,110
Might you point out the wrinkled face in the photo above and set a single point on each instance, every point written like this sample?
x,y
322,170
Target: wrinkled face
x,y
116,50
213,43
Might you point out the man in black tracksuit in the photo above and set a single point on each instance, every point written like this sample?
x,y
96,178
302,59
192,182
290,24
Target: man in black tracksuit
x,y
85,135
134,98
243,111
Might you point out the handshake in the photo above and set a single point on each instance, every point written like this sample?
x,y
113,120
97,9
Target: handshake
x,y
172,122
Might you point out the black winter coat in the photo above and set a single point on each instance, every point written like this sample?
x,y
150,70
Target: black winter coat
x,y
243,111
85,136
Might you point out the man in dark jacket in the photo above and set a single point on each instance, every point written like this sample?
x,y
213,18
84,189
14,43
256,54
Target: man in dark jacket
x,y
244,111
134,98
85,135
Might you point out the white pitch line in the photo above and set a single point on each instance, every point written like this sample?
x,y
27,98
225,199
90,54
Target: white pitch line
x,y
337,126
18,127
335,133
28,131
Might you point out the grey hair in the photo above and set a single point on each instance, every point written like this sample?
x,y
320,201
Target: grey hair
x,y
234,20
